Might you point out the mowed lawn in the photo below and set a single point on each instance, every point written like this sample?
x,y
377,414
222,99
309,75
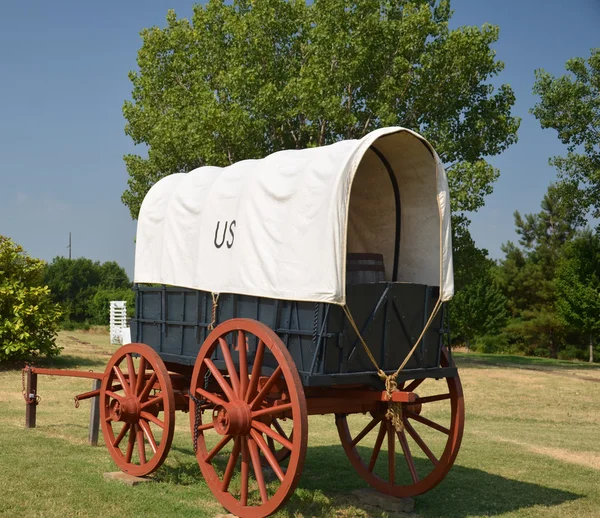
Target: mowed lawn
x,y
531,448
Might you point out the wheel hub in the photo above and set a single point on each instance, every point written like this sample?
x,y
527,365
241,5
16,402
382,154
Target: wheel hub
x,y
232,419
415,407
126,410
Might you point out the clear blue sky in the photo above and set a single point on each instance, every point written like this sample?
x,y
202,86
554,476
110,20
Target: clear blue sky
x,y
63,80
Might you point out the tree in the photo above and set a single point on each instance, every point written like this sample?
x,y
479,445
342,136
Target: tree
x,y
75,282
527,274
578,286
479,307
244,80
571,105
28,317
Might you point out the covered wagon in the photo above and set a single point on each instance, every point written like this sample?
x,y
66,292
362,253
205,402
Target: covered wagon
x,y
308,282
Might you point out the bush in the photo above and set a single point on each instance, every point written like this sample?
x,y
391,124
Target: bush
x,y
99,307
497,343
28,318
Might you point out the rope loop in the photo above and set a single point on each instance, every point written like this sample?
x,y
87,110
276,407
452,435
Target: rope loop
x,y
394,411
215,305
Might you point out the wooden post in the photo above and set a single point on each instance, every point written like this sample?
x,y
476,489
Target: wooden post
x,y
31,403
95,415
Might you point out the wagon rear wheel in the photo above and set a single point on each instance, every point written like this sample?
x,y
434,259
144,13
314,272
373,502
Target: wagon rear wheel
x,y
243,381
137,409
413,461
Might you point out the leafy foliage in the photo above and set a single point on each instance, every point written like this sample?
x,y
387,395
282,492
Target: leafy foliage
x,y
82,285
528,274
570,104
478,307
28,317
246,79
578,285
100,302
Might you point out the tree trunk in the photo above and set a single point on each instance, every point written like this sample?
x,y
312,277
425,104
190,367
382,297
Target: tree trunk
x,y
553,348
591,348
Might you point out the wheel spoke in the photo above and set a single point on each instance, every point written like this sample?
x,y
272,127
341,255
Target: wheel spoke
x,y
256,368
141,375
113,395
245,472
218,448
152,402
260,480
266,388
272,410
235,453
152,418
233,375
277,427
141,445
258,439
420,442
243,357
377,447
148,387
119,437
131,373
413,385
428,422
263,428
391,453
365,431
122,380
229,393
431,399
149,435
206,426
130,445
210,396
408,456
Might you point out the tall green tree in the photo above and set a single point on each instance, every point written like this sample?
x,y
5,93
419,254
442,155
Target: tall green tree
x,y
528,273
28,316
578,286
570,104
246,79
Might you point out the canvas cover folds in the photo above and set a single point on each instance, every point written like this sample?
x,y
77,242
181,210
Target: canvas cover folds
x,y
280,227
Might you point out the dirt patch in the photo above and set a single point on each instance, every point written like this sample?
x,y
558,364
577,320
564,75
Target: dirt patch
x,y
587,459
543,370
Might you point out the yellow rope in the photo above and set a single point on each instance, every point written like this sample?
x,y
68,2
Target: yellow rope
x,y
215,304
394,411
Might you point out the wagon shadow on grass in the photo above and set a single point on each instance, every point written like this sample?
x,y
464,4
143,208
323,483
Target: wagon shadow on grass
x,y
464,492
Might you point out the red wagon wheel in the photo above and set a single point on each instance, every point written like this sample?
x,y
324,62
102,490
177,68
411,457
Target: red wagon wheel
x,y
137,409
230,436
429,443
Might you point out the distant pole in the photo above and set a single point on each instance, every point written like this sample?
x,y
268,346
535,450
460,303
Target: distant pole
x,y
69,247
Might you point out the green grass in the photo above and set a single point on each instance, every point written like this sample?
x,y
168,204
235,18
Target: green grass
x,y
530,448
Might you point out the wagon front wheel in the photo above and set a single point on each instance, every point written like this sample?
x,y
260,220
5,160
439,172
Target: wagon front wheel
x,y
244,380
413,460
137,409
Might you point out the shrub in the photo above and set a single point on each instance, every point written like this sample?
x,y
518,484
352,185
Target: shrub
x,y
28,318
99,306
497,343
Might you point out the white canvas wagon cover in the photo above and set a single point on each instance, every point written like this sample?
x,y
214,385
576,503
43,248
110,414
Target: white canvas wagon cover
x,y
281,227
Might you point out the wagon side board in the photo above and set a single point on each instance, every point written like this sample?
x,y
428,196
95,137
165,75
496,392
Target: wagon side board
x,y
326,350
